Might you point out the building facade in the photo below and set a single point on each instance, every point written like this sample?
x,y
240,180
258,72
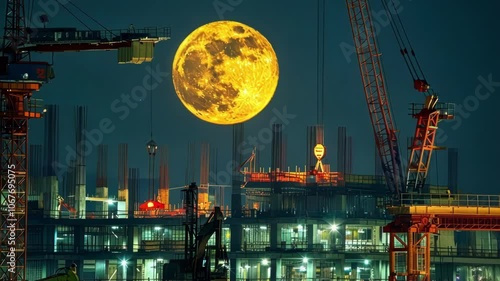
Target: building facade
x,y
312,229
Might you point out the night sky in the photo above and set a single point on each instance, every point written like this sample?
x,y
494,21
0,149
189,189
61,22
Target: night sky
x,y
457,44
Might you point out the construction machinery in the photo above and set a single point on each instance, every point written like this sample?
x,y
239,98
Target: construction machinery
x,y
202,262
61,204
63,274
377,98
409,233
20,77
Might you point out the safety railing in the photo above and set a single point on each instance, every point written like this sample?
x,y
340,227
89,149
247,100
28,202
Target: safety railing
x,y
72,35
462,200
446,110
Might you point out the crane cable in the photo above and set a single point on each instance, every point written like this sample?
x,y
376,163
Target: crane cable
x,y
320,58
404,43
83,12
71,13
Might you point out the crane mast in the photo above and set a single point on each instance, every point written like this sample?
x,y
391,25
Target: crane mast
x,y
370,66
16,108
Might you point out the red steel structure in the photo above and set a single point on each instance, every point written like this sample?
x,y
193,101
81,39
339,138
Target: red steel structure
x,y
419,216
428,117
19,79
370,66
416,226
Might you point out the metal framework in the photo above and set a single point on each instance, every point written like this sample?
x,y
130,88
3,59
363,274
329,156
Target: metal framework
x,y
16,109
411,251
421,215
374,87
421,149
14,28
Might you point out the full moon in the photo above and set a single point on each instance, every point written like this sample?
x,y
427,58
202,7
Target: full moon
x,y
225,72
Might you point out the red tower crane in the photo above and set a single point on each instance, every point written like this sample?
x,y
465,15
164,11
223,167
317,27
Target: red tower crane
x,y
417,227
19,78
427,114
370,66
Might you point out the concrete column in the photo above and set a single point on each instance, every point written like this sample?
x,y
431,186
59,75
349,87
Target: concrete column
x,y
79,232
236,237
130,238
235,271
274,270
311,231
274,233
131,266
49,240
339,269
102,207
52,187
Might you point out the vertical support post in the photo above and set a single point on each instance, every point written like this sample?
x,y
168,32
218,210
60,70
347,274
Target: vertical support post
x,y
392,257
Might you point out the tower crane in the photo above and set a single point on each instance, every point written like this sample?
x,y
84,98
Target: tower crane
x,y
370,66
427,114
19,78
417,228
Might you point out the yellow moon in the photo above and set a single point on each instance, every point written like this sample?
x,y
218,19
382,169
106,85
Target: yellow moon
x,y
225,72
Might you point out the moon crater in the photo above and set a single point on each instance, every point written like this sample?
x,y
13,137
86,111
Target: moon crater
x,y
225,72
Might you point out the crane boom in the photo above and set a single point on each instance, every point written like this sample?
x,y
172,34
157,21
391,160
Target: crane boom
x,y
370,66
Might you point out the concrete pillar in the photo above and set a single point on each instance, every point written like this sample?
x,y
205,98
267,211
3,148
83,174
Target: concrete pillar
x,y
235,271
339,270
311,230
49,238
131,266
102,207
48,199
274,234
236,237
79,242
274,269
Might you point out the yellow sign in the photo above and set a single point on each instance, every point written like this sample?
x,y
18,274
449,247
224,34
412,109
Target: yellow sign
x,y
319,151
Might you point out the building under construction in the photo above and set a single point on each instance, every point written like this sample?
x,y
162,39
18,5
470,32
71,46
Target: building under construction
x,y
310,223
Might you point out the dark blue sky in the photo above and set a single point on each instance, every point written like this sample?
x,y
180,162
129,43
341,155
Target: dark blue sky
x,y
456,41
